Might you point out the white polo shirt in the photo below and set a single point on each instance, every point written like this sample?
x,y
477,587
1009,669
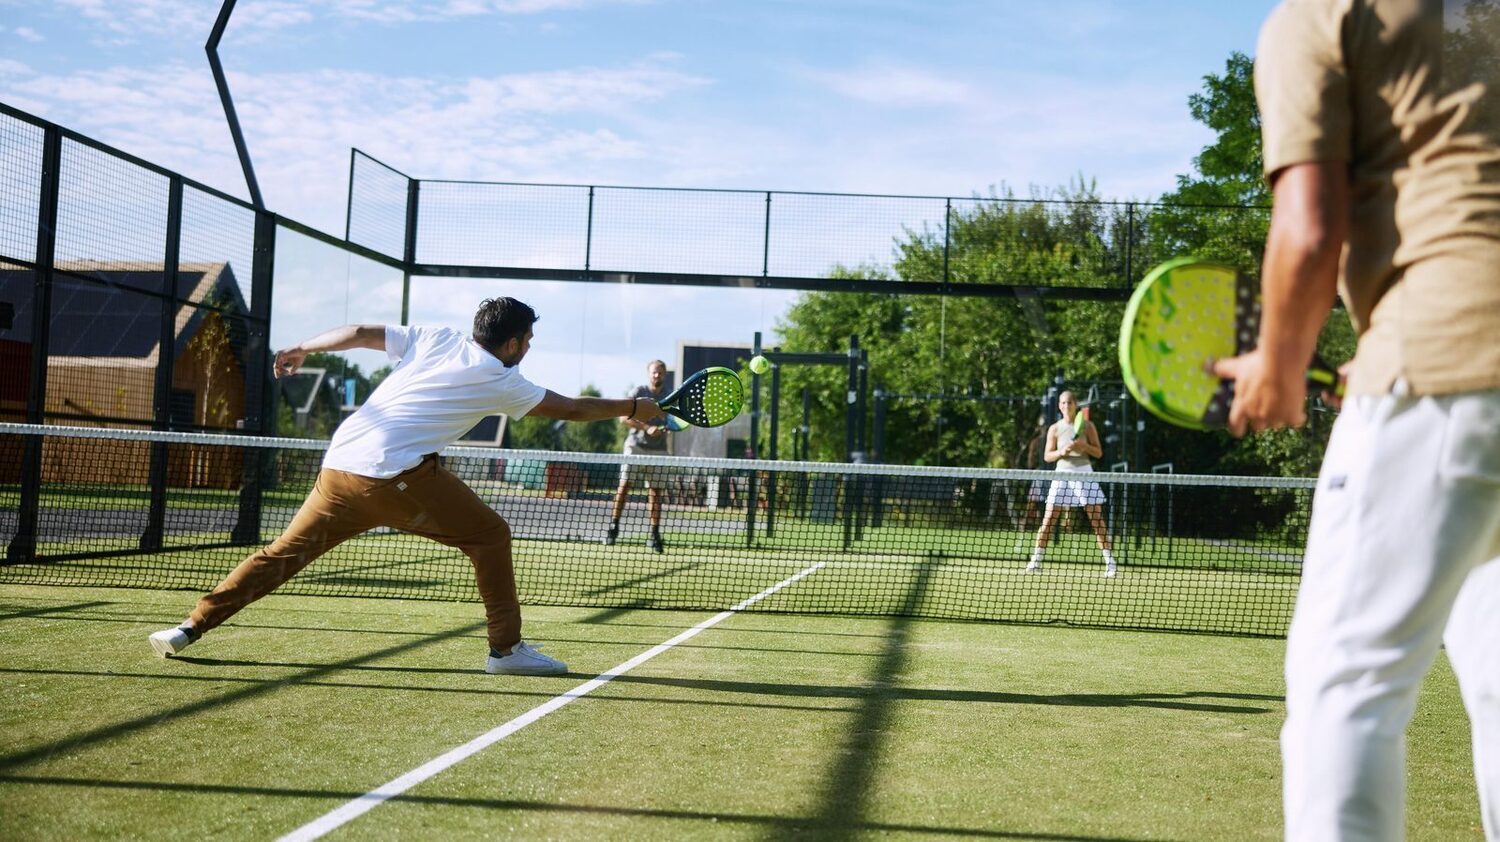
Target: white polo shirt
x,y
443,385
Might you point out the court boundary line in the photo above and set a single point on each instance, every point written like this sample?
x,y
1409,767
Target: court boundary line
x,y
351,810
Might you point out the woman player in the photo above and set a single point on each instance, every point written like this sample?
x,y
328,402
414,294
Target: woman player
x,y
1071,445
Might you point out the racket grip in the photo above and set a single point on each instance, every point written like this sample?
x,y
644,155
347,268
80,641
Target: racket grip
x,y
1325,380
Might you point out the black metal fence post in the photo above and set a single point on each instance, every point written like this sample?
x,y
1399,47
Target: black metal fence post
x,y
877,455
765,242
409,250
22,546
260,417
851,440
752,490
947,237
151,537
775,431
588,235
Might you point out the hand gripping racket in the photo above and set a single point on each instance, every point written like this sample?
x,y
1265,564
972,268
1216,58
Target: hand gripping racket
x,y
1183,314
710,398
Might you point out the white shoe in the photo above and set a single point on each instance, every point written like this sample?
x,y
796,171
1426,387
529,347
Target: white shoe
x,y
524,660
169,642
1109,570
1034,567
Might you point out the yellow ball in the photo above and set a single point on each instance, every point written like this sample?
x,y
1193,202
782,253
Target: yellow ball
x,y
759,364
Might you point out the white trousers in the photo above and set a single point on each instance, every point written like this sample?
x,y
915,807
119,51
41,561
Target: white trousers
x,y
1403,555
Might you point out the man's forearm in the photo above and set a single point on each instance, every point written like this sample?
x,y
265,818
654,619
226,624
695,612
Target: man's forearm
x,y
345,338
1300,277
600,409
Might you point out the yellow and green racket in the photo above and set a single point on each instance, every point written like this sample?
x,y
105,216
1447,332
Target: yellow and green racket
x,y
710,398
1185,313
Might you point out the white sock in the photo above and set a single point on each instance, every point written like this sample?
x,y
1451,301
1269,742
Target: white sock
x,y
1036,556
1109,557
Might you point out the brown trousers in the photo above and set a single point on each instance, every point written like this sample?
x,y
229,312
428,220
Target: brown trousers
x,y
426,500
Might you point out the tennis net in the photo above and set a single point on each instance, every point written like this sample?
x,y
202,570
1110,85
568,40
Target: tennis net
x,y
131,508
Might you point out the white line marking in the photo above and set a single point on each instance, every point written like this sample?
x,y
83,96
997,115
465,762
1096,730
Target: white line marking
x,y
363,804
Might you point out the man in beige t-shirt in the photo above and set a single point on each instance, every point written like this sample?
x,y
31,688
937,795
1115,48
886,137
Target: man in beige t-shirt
x,y
1382,146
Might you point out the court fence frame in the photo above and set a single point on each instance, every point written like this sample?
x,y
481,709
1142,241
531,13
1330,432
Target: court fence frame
x,y
85,220
403,216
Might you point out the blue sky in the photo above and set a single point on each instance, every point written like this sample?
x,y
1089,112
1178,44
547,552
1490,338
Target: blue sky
x,y
882,96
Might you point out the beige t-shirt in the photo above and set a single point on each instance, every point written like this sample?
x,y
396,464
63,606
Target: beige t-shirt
x,y
1363,81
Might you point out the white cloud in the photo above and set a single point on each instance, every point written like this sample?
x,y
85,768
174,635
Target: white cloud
x,y
26,33
896,86
407,11
299,127
271,15
134,18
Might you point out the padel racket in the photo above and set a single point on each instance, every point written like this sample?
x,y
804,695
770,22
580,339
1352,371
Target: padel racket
x,y
710,398
1183,314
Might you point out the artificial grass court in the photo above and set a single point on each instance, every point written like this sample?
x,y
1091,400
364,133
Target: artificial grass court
x,y
1070,589
761,727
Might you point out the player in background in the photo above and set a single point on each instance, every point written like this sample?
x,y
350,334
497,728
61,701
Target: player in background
x,y
647,438
1072,446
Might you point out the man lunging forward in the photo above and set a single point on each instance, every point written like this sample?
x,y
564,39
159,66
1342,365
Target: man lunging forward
x,y
381,468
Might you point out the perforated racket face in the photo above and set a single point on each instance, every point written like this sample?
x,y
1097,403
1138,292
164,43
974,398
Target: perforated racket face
x,y
1183,314
710,398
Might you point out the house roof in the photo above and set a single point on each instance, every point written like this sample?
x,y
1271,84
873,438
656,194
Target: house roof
x,y
98,311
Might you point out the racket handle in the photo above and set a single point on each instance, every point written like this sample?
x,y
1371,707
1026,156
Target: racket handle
x,y
1325,379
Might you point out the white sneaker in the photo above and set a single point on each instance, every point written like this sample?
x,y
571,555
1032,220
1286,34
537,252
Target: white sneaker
x,y
169,642
524,660
1109,570
1034,567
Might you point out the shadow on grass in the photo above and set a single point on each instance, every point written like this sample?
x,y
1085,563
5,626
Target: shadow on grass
x,y
218,678
882,689
136,620
779,825
640,580
38,612
165,717
844,801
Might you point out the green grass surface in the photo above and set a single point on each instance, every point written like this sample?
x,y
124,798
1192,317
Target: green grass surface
x,y
763,727
1071,590
116,497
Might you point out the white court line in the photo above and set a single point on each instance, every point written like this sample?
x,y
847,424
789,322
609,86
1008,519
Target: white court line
x,y
363,804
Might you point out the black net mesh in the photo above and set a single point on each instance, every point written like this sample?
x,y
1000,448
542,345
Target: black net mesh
x,y
704,232
475,224
1205,554
377,206
111,217
812,235
218,236
20,186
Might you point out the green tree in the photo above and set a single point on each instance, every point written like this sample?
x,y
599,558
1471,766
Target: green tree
x,y
962,346
1222,212
1223,209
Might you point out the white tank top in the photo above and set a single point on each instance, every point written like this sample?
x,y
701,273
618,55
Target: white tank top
x,y
1075,461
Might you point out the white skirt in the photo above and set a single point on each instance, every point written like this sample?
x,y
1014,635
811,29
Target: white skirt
x,y
1073,493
